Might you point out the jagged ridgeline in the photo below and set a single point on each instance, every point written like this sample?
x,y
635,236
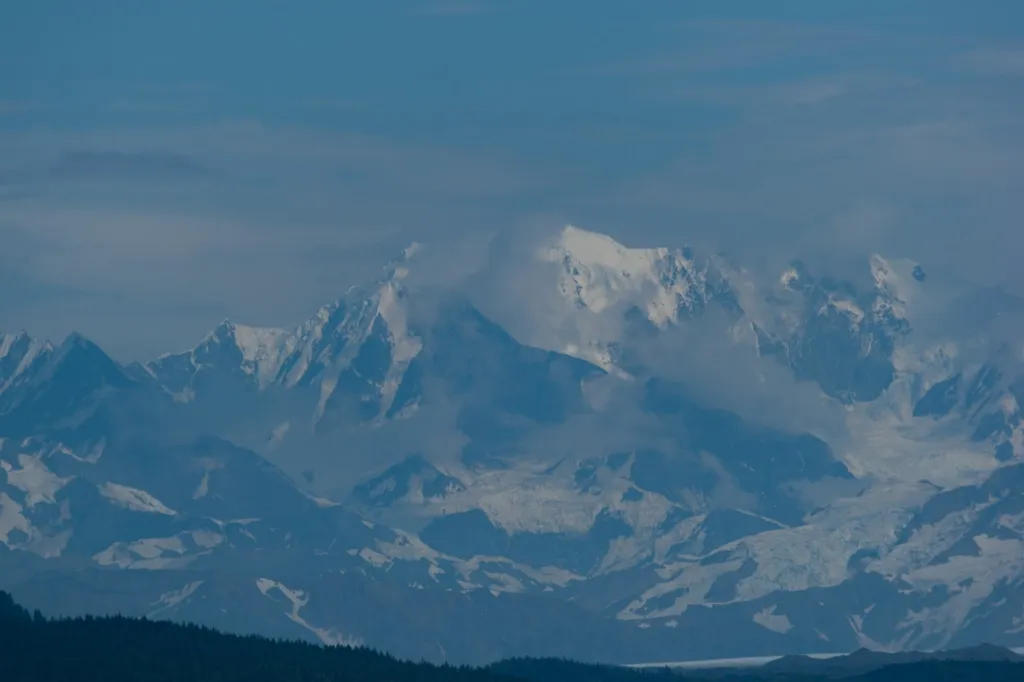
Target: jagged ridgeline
x,y
588,450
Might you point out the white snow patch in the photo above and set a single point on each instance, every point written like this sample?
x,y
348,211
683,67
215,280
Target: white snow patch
x,y
791,559
35,349
504,583
971,579
278,434
850,308
206,539
894,279
323,502
888,444
34,479
776,622
601,279
91,458
300,599
373,557
152,554
134,499
203,488
600,273
11,519
263,350
168,600
405,345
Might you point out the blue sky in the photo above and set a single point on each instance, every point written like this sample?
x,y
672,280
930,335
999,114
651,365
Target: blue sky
x,y
166,164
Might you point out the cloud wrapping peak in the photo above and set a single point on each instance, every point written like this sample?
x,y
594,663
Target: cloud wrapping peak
x,y
824,134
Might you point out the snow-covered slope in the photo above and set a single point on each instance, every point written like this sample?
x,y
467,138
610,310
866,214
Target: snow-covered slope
x,y
598,273
595,276
354,349
610,466
18,353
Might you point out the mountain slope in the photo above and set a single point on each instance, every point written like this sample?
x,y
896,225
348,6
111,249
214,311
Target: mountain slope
x,y
681,446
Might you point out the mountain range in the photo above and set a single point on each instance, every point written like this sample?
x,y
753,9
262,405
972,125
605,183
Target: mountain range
x,y
588,450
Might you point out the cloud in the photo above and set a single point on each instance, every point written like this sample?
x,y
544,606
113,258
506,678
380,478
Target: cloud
x,y
717,362
332,103
714,45
995,61
365,451
14,106
772,97
237,220
248,150
812,92
178,88
141,105
719,366
520,290
930,176
826,142
165,99
90,165
764,139
453,8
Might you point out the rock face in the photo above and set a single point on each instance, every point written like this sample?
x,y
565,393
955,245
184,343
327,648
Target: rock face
x,y
614,474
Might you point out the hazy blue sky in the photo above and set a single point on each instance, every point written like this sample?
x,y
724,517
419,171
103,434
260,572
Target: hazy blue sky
x,y
166,164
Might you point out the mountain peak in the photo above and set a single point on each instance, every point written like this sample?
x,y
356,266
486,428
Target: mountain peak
x,y
262,349
898,281
10,337
599,250
223,331
18,352
74,340
250,340
21,341
599,273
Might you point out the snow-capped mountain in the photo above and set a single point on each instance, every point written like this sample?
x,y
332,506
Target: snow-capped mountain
x,y
663,285
356,348
672,445
18,353
604,290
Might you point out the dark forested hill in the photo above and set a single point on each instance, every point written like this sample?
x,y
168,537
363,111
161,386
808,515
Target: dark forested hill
x,y
33,649
36,649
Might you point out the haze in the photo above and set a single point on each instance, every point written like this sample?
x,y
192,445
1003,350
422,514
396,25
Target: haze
x,y
166,165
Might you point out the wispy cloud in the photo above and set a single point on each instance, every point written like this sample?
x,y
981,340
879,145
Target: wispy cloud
x,y
332,103
942,191
179,88
164,98
724,45
997,61
831,138
105,165
14,106
141,105
812,92
787,93
238,220
749,136
453,8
